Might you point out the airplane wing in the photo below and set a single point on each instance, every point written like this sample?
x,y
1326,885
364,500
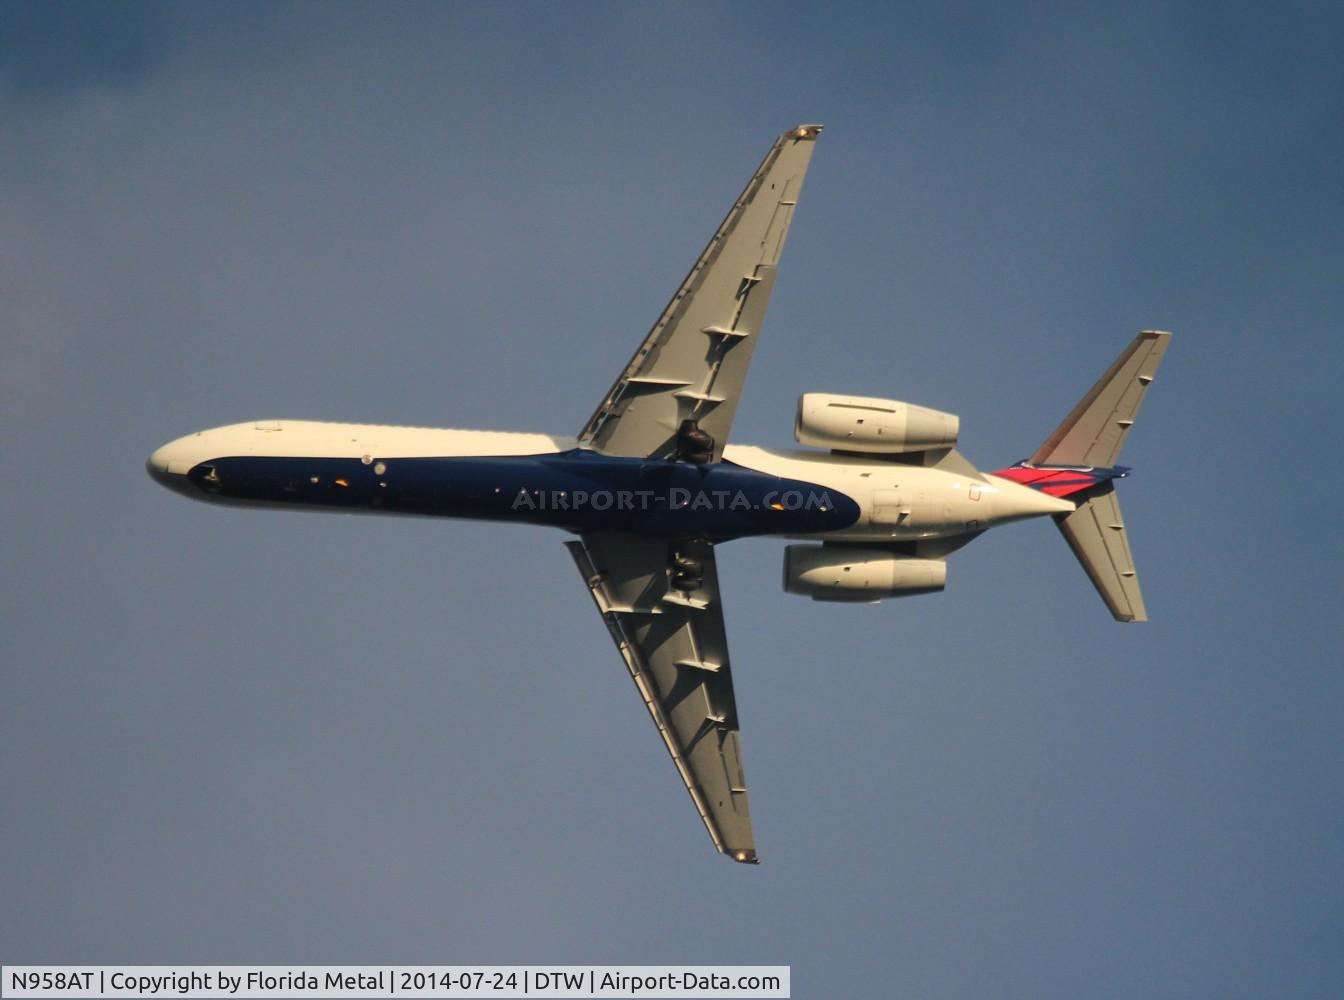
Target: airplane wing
x,y
694,361
676,649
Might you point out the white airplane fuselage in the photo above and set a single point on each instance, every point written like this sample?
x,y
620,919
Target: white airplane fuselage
x,y
541,479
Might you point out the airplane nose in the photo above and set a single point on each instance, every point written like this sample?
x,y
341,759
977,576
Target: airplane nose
x,y
157,464
167,467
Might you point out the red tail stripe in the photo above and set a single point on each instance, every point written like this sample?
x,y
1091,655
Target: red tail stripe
x,y
1055,482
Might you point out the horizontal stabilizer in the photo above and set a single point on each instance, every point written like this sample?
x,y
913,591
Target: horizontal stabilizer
x,y
1096,533
1094,432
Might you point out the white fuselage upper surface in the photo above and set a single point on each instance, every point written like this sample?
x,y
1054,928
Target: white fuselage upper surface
x,y
323,439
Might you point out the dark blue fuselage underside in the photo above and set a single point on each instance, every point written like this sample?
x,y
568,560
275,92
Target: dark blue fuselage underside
x,y
578,490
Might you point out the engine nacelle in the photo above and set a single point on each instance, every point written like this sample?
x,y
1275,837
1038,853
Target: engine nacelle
x,y
860,423
842,573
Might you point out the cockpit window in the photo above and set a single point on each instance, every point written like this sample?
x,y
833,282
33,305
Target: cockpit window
x,y
208,477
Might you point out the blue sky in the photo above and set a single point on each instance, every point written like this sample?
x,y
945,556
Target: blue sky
x,y
233,736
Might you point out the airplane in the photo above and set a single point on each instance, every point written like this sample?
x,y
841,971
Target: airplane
x,y
875,502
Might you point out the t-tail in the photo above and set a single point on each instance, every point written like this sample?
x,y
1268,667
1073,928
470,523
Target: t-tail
x,y
1078,461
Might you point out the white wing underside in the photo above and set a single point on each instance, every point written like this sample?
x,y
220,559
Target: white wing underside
x,y
676,650
693,363
692,366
